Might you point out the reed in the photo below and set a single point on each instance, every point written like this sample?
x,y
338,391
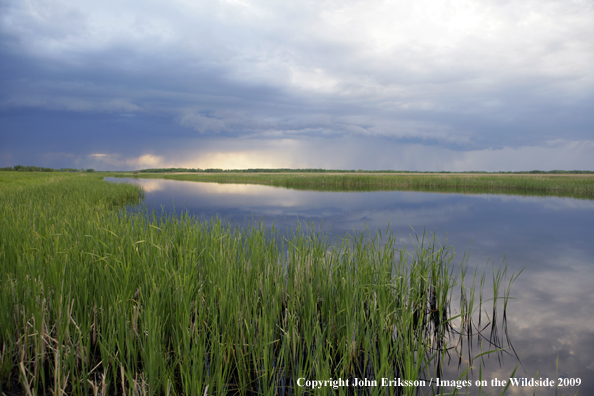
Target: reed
x,y
579,186
101,301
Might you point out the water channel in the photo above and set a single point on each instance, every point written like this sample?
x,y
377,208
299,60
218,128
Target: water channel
x,y
550,320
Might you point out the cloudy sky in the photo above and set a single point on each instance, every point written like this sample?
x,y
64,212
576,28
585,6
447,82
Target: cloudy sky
x,y
413,85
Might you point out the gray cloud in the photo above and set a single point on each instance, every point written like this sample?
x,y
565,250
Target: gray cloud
x,y
463,75
335,153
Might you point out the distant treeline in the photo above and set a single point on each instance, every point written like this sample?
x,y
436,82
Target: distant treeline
x,y
317,170
21,168
556,172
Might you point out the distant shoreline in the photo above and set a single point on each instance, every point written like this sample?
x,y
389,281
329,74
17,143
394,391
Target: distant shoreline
x,y
370,173
573,185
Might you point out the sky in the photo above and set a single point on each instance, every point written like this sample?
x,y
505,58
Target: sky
x,y
455,85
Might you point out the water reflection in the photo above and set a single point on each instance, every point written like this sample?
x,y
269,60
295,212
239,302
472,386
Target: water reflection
x,y
551,237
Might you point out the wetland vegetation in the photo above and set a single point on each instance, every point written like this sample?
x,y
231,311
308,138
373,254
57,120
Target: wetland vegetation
x,y
96,300
573,185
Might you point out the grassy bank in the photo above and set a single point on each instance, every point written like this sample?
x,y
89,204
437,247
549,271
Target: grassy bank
x,y
18,180
99,301
560,185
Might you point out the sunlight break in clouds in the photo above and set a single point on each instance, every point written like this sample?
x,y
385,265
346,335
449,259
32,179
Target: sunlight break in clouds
x,y
111,160
355,153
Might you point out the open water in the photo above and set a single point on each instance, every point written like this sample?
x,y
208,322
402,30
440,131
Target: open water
x,y
551,319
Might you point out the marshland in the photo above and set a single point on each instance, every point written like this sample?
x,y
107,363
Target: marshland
x,y
574,185
177,287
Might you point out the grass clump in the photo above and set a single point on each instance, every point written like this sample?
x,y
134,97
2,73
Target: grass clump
x,y
96,301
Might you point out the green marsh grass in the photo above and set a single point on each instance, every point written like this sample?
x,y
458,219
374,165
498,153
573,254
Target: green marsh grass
x,y
95,300
577,186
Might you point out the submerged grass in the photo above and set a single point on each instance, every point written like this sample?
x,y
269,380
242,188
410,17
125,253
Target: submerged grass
x,y
579,186
96,301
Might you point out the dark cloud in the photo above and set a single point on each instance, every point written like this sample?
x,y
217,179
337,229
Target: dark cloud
x,y
466,76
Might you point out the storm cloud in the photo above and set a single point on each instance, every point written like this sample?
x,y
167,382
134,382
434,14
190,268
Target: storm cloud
x,y
425,85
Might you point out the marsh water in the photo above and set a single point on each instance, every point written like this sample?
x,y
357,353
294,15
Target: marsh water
x,y
550,320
